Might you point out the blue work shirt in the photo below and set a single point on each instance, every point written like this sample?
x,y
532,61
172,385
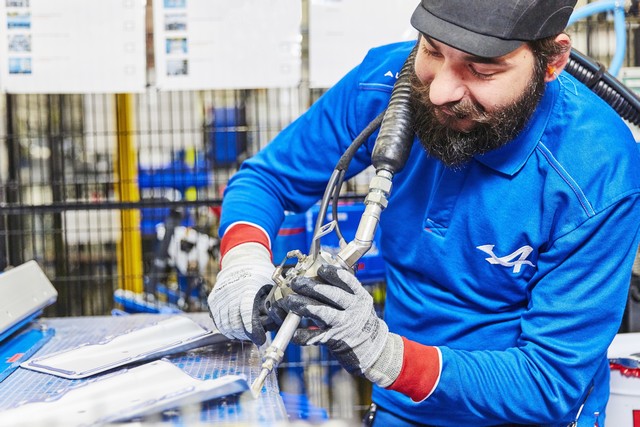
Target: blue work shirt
x,y
516,265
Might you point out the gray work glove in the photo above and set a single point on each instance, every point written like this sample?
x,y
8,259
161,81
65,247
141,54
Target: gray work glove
x,y
236,302
348,324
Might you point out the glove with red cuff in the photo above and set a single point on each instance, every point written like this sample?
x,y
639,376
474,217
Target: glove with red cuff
x,y
236,303
357,337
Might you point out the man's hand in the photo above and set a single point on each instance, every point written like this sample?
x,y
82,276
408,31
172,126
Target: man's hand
x,y
243,283
348,324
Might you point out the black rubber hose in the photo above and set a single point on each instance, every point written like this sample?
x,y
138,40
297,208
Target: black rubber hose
x,y
395,138
625,102
393,143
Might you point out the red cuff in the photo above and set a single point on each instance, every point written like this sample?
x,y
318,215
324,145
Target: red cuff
x,y
242,233
420,371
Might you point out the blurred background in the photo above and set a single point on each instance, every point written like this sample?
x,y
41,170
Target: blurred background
x,y
116,189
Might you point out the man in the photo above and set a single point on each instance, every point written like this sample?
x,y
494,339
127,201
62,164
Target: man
x,y
508,238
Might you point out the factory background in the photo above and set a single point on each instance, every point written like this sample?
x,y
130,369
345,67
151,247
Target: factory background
x,y
94,181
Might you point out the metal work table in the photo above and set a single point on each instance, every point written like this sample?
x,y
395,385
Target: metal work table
x,y
213,361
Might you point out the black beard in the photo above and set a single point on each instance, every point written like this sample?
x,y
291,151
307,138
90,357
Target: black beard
x,y
491,129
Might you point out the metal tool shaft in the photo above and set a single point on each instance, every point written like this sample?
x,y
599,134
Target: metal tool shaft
x,y
275,352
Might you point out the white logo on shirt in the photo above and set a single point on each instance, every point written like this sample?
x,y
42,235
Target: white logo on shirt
x,y
509,260
390,74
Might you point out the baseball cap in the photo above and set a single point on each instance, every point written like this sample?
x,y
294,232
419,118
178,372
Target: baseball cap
x,y
491,28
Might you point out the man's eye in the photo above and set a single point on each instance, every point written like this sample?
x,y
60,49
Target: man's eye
x,y
483,76
432,53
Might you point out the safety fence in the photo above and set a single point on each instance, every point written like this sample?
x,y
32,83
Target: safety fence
x,y
85,179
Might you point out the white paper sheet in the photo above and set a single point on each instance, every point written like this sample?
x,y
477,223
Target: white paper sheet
x,y
72,46
221,44
342,31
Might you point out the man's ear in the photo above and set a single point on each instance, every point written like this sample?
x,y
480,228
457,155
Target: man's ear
x,y
558,62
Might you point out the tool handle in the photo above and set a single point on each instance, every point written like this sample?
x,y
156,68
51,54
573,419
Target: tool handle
x,y
275,352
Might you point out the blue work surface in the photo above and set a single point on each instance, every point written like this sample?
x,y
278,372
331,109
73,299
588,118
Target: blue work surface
x,y
20,347
228,358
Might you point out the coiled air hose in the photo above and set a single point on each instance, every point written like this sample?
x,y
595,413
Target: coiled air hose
x,y
393,143
594,75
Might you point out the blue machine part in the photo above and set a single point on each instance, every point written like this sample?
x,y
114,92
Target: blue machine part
x,y
292,235
177,174
152,217
135,303
173,296
21,347
226,139
296,232
298,407
7,333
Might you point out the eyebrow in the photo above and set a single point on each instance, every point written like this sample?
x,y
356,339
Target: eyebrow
x,y
468,57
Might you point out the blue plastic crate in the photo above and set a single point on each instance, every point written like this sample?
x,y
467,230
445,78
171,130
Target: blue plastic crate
x,y
226,139
177,174
150,218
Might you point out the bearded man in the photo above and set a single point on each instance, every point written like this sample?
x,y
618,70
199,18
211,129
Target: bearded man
x,y
508,238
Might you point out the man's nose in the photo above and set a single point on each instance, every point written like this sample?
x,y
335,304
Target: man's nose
x,y
447,86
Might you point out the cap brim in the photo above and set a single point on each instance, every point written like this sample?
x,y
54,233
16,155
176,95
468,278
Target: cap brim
x,y
461,38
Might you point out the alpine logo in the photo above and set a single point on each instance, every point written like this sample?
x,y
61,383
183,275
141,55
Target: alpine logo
x,y
516,259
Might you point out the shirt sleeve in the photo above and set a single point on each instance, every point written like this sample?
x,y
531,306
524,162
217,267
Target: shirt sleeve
x,y
243,232
291,172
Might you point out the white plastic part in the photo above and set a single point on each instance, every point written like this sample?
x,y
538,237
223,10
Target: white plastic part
x,y
623,409
130,393
24,291
168,336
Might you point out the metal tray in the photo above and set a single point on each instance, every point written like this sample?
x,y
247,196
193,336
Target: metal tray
x,y
168,336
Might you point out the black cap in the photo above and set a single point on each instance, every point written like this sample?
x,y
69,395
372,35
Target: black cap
x,y
491,28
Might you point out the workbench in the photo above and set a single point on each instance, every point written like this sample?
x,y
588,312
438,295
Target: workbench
x,y
212,361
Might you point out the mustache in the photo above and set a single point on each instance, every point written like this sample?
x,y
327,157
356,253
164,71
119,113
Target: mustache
x,y
464,110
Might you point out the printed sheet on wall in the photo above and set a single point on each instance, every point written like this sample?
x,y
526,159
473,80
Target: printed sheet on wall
x,y
72,46
227,44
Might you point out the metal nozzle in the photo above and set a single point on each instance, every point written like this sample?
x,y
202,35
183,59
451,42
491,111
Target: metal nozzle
x,y
256,387
275,352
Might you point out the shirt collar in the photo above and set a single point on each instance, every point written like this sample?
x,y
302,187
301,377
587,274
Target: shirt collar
x,y
510,158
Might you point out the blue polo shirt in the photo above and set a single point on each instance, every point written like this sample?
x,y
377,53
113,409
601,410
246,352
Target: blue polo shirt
x,y
516,265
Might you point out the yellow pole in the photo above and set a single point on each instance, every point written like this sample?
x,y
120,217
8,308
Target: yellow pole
x,y
191,193
130,271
